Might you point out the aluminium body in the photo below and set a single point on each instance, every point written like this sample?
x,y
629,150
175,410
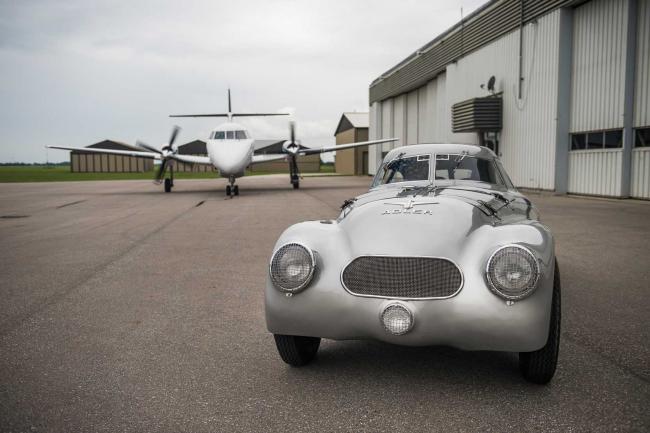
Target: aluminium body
x,y
448,249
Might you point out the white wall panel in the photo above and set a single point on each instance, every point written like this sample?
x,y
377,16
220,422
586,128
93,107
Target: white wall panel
x,y
422,113
386,123
640,185
595,172
642,85
527,144
374,133
412,117
399,120
599,34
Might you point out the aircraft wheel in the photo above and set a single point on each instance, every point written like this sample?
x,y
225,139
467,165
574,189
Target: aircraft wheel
x,y
296,184
168,185
236,189
228,190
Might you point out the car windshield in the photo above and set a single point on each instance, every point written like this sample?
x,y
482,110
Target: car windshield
x,y
403,169
464,167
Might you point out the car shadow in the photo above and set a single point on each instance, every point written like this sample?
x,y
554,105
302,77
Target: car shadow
x,y
365,361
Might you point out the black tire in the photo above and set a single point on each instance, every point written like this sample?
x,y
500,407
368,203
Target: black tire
x,y
168,185
539,366
296,184
236,189
296,351
228,190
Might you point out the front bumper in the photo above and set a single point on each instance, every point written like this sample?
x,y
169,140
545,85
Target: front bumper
x,y
474,319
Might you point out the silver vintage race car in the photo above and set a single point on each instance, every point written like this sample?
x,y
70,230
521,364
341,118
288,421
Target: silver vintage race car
x,y
443,250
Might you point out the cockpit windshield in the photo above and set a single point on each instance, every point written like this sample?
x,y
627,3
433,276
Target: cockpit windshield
x,y
229,135
465,167
403,169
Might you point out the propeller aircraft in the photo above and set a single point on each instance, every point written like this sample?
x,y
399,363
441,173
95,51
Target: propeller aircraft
x,y
230,149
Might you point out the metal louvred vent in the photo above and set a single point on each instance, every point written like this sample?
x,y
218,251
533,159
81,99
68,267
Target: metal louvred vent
x,y
477,114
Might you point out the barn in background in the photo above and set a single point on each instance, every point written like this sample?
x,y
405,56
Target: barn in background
x,y
352,128
88,162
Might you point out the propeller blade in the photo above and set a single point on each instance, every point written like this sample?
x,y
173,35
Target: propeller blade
x,y
174,134
292,132
149,148
161,171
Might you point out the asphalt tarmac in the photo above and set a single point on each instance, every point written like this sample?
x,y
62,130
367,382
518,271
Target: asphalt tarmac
x,y
123,308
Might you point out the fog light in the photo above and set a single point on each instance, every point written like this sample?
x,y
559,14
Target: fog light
x,y
397,319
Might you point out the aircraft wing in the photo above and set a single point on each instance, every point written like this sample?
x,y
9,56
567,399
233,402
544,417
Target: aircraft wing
x,y
268,157
191,159
143,153
312,151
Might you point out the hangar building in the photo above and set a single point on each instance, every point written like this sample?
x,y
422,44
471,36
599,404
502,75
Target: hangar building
x,y
569,106
86,162
352,128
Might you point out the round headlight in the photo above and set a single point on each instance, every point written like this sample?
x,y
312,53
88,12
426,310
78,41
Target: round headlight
x,y
292,267
512,272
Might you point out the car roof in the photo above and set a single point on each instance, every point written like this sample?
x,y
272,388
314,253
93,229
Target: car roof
x,y
435,148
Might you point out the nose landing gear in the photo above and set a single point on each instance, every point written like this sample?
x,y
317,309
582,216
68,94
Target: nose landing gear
x,y
232,189
169,181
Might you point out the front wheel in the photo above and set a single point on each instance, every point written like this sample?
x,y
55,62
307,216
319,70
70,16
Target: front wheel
x,y
295,350
168,185
539,366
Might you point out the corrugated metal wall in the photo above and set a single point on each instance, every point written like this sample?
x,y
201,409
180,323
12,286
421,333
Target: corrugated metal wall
x,y
642,85
374,133
598,81
399,120
640,186
387,123
527,142
595,172
412,117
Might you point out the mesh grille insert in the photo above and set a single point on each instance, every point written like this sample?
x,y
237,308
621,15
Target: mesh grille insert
x,y
402,277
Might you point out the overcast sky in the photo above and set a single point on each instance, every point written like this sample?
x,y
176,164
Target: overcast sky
x,y
74,72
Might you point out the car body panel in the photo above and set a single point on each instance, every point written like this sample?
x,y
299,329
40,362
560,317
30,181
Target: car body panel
x,y
463,223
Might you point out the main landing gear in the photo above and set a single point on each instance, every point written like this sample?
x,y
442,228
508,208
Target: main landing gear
x,y
294,173
169,181
232,189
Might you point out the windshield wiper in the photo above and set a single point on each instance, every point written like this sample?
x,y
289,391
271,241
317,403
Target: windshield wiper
x,y
457,161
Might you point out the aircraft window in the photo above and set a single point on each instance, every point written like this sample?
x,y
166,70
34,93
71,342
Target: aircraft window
x,y
230,135
219,135
240,135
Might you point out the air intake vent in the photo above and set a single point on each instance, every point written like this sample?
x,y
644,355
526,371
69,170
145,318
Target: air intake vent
x,y
402,277
477,114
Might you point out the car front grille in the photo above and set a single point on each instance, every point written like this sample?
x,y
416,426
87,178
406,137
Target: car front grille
x,y
402,277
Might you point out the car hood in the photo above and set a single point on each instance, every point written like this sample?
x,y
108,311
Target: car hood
x,y
427,221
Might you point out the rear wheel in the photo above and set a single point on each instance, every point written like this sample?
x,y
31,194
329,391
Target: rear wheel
x,y
236,189
228,190
295,350
168,185
539,366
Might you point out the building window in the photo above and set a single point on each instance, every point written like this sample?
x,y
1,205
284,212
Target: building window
x,y
592,140
578,141
642,137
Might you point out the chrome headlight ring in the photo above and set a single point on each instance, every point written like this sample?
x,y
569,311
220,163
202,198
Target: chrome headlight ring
x,y
512,272
292,267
